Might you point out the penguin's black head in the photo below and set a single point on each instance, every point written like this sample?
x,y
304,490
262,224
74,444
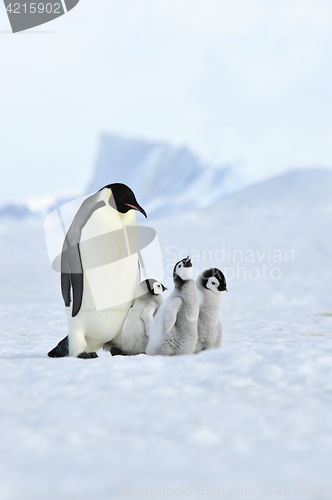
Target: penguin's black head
x,y
123,199
154,287
214,280
183,270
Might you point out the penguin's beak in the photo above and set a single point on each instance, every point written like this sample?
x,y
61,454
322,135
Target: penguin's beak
x,y
164,288
138,208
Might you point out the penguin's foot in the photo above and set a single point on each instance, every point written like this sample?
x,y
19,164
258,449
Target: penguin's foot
x,y
116,351
88,355
61,350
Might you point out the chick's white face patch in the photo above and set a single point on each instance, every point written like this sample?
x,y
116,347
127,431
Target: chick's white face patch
x,y
157,288
212,284
185,273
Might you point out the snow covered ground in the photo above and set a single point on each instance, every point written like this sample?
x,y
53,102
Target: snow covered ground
x,y
239,422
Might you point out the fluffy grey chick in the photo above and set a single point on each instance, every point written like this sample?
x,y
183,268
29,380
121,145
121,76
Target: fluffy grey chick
x,y
174,329
210,285
135,335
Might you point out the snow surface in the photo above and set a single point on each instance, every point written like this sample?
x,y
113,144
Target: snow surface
x,y
255,413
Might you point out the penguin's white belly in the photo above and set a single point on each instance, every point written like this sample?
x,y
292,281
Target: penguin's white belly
x,y
97,327
109,289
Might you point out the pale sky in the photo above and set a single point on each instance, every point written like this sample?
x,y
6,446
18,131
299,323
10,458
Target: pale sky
x,y
243,82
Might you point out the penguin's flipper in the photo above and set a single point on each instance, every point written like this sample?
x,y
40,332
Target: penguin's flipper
x,y
77,286
71,264
170,313
72,276
65,283
61,350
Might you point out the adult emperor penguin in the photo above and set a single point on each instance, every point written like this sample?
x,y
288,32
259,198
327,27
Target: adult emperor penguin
x,y
134,338
210,284
99,270
174,329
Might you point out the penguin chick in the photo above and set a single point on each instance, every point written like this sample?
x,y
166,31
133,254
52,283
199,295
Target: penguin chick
x,y
174,329
134,338
210,284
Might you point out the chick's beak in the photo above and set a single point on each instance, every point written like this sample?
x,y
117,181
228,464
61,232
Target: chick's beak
x,y
187,262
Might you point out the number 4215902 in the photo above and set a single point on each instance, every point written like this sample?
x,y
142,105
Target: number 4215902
x,y
34,8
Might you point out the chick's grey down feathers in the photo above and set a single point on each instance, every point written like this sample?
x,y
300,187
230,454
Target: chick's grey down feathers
x,y
210,285
174,329
134,338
